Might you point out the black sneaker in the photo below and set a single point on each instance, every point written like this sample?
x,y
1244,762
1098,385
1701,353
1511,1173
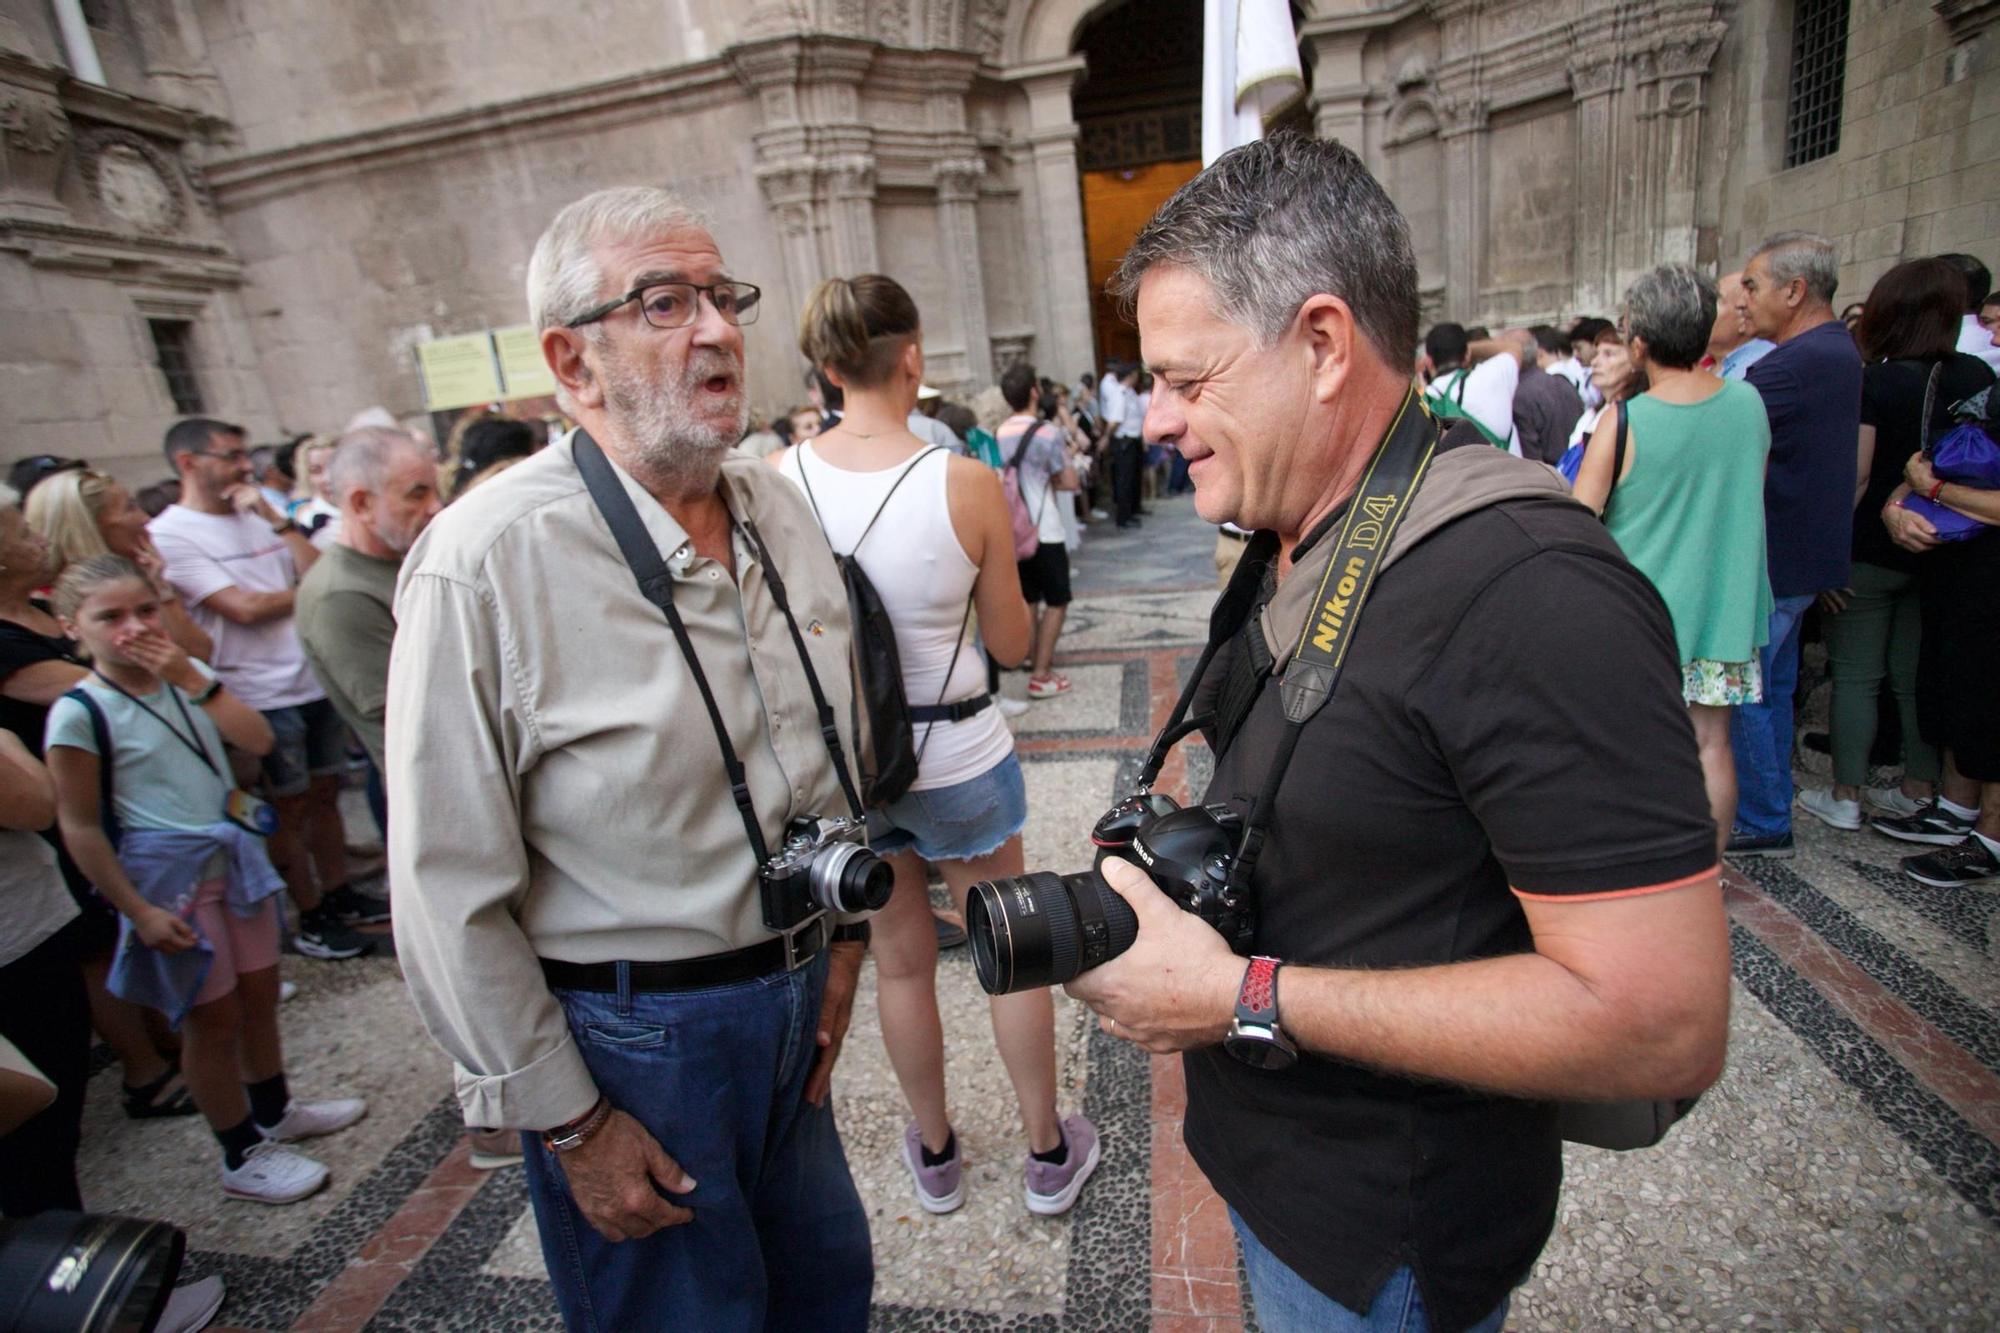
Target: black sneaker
x,y
1777,846
321,936
1932,823
1970,862
351,907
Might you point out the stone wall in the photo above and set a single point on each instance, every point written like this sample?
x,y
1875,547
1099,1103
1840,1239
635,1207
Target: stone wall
x,y
317,188
1916,170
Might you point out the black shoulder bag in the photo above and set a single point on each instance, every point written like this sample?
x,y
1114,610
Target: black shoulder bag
x,y
892,758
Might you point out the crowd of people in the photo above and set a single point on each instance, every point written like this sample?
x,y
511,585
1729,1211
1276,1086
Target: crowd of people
x,y
189,678
1700,435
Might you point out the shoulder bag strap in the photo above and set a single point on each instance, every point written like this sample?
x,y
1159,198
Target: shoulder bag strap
x,y
912,467
100,734
656,584
1027,438
1617,456
1930,401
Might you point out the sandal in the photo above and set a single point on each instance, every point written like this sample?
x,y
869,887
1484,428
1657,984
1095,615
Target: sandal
x,y
146,1102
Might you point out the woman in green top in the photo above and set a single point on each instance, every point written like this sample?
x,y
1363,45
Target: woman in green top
x,y
1688,507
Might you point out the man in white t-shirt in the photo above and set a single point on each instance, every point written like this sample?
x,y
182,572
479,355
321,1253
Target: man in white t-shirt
x,y
1484,391
1046,478
236,563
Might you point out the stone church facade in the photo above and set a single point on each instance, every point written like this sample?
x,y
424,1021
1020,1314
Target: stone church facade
x,y
260,208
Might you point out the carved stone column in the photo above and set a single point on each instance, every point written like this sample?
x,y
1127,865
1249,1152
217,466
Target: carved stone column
x,y
34,141
1671,97
1592,84
1464,137
958,226
1339,96
1057,257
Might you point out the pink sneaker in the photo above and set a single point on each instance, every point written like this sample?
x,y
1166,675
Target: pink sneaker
x,y
940,1188
1052,1190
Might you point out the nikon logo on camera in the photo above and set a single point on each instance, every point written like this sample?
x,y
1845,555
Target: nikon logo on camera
x,y
1333,615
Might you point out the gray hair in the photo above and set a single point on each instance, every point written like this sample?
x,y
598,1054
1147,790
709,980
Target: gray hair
x,y
362,458
1673,309
1273,223
1803,254
564,279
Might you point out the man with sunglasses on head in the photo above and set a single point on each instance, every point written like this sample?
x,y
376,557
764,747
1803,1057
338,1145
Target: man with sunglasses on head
x,y
236,564
584,793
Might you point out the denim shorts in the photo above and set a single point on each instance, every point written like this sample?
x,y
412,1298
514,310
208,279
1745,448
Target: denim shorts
x,y
955,823
311,743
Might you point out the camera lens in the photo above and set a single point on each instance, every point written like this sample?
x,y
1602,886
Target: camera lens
x,y
1042,929
80,1273
847,877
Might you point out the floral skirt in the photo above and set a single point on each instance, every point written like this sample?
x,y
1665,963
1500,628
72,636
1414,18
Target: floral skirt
x,y
1722,684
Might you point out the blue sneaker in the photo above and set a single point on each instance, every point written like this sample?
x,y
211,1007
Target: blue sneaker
x,y
1775,846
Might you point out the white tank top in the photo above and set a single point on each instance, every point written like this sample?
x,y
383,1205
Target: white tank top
x,y
925,579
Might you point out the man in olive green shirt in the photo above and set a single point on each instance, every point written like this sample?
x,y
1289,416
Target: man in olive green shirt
x,y
385,483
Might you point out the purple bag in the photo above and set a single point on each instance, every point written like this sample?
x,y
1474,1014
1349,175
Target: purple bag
x,y
1965,455
1968,456
1951,525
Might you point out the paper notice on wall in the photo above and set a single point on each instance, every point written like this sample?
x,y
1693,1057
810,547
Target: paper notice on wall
x,y
522,370
459,372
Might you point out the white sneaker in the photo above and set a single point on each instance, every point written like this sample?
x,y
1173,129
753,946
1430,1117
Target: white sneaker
x,y
1012,707
273,1173
1821,804
309,1120
190,1306
286,990
1890,801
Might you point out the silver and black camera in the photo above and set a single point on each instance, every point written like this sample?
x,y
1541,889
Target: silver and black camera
x,y
824,865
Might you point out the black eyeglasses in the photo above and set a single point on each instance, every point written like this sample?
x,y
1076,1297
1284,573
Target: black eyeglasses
x,y
226,455
674,305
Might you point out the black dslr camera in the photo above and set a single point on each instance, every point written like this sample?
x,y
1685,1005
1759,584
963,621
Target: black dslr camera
x,y
1041,929
824,865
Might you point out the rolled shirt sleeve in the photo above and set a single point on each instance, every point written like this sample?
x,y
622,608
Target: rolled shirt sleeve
x,y
459,741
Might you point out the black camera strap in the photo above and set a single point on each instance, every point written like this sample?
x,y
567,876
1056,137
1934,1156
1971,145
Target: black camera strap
x,y
656,584
1380,502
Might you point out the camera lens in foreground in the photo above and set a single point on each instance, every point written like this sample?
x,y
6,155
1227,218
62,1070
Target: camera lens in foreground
x,y
1042,929
77,1273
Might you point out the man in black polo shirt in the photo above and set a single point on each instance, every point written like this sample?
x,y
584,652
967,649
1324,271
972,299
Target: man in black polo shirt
x,y
1490,881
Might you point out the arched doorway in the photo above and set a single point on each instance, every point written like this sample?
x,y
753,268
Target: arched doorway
x,y
1138,116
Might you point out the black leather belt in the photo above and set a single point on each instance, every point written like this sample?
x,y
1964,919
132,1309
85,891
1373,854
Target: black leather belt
x,y
957,712
782,953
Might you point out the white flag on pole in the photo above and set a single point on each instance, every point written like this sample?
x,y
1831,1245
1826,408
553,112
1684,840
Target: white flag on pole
x,y
1249,69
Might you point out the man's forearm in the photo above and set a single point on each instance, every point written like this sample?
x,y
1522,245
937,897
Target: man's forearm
x,y
1522,1025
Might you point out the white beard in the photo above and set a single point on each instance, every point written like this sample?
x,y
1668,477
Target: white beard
x,y
659,421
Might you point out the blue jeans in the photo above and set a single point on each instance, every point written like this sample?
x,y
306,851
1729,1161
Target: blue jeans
x,y
1287,1303
779,1239
1761,733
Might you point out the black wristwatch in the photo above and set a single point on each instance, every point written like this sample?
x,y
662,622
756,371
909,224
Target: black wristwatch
x,y
1254,1035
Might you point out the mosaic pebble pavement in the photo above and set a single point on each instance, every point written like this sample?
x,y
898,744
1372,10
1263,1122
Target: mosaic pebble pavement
x,y
1844,1174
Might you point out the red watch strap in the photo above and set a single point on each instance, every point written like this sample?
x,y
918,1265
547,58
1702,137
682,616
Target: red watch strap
x,y
1934,491
1259,995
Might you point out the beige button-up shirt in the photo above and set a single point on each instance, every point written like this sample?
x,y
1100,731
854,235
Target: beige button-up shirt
x,y
555,784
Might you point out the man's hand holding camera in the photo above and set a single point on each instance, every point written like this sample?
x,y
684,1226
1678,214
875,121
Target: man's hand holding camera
x,y
1175,988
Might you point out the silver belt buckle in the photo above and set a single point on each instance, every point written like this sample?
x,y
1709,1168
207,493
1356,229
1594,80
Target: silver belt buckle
x,y
803,944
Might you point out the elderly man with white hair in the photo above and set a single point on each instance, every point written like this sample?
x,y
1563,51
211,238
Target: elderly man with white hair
x,y
620,686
